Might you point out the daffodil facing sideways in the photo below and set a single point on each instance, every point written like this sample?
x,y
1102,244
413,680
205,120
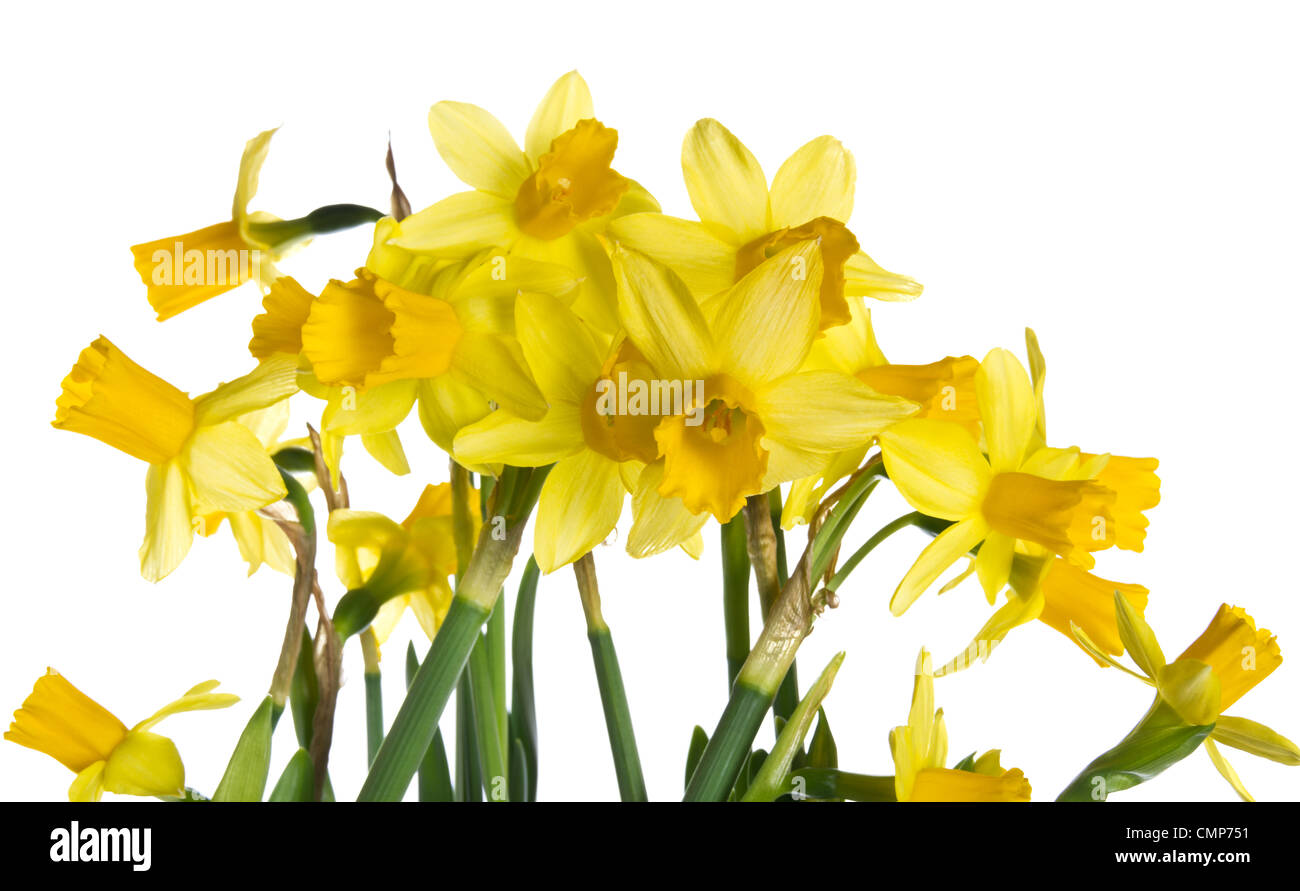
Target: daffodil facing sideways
x,y
1063,597
765,421
920,750
742,222
389,567
182,271
379,346
59,720
1022,494
1229,659
945,390
549,201
202,460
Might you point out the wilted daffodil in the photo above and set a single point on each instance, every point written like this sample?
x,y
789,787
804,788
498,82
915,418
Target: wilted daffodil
x,y
388,567
202,461
1228,660
66,724
743,222
1015,494
755,419
548,201
920,751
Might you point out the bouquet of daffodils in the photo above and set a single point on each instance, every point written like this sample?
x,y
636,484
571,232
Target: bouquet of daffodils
x,y
570,346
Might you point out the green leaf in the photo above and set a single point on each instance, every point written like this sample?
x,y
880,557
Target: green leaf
x,y
1160,740
830,784
304,692
523,706
966,764
250,765
822,751
773,778
518,771
297,781
434,776
699,739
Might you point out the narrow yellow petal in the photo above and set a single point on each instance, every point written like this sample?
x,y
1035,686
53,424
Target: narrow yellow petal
x,y
1007,408
827,411
706,263
478,148
944,551
1225,770
661,317
816,181
169,529
727,187
565,103
578,507
936,466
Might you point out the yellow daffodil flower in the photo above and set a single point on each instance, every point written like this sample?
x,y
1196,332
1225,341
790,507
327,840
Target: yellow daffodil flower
x,y
402,565
1059,594
755,419
920,749
1229,659
945,390
182,271
59,720
1044,497
743,222
548,201
596,455
202,461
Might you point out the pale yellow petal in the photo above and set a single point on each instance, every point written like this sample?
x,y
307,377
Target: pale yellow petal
x,y
1139,640
145,764
478,148
826,411
88,784
706,263
662,318
229,470
373,410
659,523
936,466
864,277
386,448
993,564
565,103
579,506
274,379
504,438
1008,410
765,325
250,169
816,181
944,551
561,352
169,530
487,364
727,187
460,225
1225,770
1255,738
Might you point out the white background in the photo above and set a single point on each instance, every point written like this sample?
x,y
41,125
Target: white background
x,y
1122,177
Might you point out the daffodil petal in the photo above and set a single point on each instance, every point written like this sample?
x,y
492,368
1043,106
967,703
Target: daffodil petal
x,y
460,225
726,183
766,324
660,523
504,438
1008,410
1139,640
936,466
993,564
487,364
565,103
816,181
578,507
229,470
827,411
169,531
947,547
1255,738
662,318
274,379
386,448
478,148
145,764
706,263
373,410
559,349
1225,770
88,784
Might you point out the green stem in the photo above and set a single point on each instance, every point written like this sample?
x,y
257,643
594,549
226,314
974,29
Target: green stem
x,y
469,779
374,695
613,697
330,218
735,595
729,746
434,778
772,779
496,660
491,750
762,543
883,533
477,589
523,707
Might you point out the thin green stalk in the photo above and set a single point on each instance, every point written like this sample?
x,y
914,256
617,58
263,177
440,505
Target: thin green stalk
x,y
613,697
477,589
735,595
761,539
491,748
868,546
469,778
496,659
374,695
729,746
523,706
